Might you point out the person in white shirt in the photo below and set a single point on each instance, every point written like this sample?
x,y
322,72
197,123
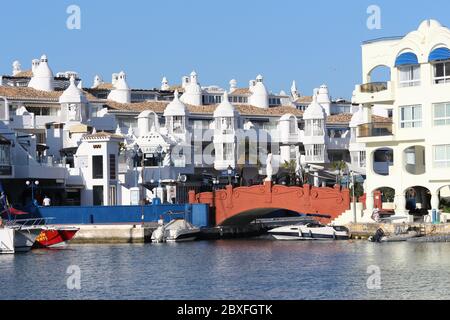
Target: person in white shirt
x,y
46,202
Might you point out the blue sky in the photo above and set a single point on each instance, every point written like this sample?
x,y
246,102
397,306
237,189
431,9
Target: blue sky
x,y
313,42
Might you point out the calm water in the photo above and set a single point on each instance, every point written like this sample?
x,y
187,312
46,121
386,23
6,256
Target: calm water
x,y
251,269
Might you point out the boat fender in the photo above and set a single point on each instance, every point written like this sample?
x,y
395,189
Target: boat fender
x,y
334,235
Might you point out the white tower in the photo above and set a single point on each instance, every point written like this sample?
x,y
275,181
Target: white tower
x,y
192,91
315,132
233,85
165,84
176,115
260,96
225,118
294,92
42,76
17,68
323,98
97,81
121,92
73,104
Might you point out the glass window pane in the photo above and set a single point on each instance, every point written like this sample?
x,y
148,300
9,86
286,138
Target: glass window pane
x,y
439,153
447,69
439,70
418,113
439,111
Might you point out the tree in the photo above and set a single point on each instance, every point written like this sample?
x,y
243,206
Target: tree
x,y
291,168
340,166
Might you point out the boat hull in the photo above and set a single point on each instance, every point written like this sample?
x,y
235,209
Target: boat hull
x,y
55,238
25,238
6,241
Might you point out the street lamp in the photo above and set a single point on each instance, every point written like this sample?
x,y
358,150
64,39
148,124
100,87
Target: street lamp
x,y
160,151
352,175
230,172
32,186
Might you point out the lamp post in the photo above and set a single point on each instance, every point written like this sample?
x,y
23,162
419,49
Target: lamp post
x,y
230,172
159,151
352,175
32,186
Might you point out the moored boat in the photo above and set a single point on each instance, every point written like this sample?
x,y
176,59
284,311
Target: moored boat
x,y
310,231
177,230
55,237
25,237
6,240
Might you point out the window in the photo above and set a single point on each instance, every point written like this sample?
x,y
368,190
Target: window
x,y
112,167
98,195
292,126
5,155
112,195
442,72
362,159
442,156
442,114
178,124
411,116
97,167
409,76
228,151
225,124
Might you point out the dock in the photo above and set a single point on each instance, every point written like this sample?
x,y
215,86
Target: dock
x,y
428,230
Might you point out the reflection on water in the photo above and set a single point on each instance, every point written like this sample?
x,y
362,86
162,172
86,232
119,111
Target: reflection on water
x,y
253,269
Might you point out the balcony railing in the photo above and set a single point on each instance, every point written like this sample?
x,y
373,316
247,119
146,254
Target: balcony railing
x,y
374,87
375,129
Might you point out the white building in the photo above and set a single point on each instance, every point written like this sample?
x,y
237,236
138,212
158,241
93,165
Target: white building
x,y
101,145
408,159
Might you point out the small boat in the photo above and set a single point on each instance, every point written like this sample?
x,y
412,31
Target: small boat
x,y
177,230
310,231
6,240
398,236
55,237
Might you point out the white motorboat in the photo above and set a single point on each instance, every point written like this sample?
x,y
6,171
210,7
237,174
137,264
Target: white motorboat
x,y
177,230
6,240
310,231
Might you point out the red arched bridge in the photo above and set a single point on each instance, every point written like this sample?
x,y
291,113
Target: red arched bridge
x,y
238,206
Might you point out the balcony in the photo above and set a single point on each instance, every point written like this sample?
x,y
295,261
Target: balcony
x,y
374,93
375,129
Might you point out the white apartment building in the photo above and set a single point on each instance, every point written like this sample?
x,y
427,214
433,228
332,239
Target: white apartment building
x,y
408,159
100,145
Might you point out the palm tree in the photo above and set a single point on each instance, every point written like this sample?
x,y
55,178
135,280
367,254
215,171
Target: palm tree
x,y
340,166
291,168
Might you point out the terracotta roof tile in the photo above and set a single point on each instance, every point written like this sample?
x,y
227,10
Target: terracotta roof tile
x,y
24,74
241,91
344,118
18,93
160,106
304,99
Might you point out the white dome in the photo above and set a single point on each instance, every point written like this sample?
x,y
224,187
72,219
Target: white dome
x,y
176,107
357,118
72,94
121,83
42,76
260,96
225,108
323,95
314,111
146,114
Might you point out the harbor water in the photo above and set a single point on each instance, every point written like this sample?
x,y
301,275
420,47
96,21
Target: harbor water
x,y
233,269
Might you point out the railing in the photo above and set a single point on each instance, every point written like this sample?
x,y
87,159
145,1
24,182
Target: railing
x,y
374,87
375,129
27,223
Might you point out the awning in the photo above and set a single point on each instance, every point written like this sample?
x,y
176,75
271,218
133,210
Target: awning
x,y
439,54
407,58
4,141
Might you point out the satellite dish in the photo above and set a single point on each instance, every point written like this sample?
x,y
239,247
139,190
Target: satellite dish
x,y
182,178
